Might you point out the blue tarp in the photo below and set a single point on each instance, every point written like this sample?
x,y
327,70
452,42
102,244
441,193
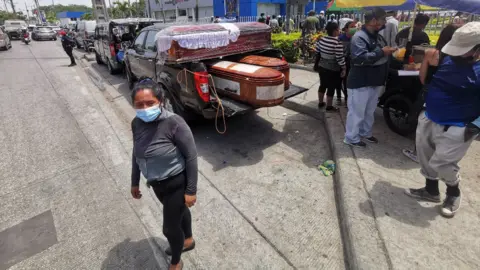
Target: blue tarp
x,y
469,6
70,14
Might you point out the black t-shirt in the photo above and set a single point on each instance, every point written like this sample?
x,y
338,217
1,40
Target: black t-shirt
x,y
418,37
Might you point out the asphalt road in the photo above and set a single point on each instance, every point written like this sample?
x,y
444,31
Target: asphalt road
x,y
65,163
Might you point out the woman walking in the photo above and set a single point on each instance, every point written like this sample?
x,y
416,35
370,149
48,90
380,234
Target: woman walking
x,y
428,68
331,65
164,152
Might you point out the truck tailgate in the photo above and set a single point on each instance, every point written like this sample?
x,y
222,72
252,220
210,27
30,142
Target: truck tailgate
x,y
294,90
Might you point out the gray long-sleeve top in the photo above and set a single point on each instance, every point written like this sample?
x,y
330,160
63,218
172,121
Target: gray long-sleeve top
x,y
162,149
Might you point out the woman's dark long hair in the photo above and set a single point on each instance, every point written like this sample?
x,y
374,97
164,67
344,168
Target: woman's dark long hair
x,y
147,83
445,36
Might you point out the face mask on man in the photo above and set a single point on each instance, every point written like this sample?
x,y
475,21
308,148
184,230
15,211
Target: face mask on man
x,y
352,31
149,114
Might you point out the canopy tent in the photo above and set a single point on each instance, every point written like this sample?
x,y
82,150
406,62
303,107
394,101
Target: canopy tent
x,y
469,6
408,5
332,6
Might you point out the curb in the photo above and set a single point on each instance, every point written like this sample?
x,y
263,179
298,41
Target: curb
x,y
363,245
302,67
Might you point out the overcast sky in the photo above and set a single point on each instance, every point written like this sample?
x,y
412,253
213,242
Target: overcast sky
x,y
20,4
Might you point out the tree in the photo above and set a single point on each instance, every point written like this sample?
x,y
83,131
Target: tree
x,y
138,8
87,17
124,8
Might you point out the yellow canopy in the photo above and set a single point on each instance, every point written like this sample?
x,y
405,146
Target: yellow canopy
x,y
368,3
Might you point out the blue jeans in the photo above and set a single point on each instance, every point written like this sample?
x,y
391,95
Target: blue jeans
x,y
362,103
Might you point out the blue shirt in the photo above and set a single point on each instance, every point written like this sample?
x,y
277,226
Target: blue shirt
x,y
453,96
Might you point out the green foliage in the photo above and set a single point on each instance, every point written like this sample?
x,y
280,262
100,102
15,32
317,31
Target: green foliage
x,y
87,17
123,8
10,16
288,45
61,8
138,8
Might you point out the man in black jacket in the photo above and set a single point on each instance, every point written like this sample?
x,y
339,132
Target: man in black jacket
x,y
67,44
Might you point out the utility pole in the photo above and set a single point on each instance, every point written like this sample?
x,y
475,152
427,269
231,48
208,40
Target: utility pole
x,y
196,10
13,7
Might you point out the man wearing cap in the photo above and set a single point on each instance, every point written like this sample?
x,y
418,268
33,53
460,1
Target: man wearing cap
x,y
451,120
322,20
368,73
391,29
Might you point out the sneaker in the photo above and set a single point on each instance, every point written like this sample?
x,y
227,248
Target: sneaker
x,y
422,194
451,204
359,144
72,65
371,139
410,154
332,109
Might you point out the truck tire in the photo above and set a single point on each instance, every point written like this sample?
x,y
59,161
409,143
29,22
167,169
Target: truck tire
x,y
171,106
396,111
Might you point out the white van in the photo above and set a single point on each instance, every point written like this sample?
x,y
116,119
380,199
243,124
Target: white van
x,y
84,34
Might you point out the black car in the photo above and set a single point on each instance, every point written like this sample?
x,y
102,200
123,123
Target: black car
x,y
109,38
194,98
44,33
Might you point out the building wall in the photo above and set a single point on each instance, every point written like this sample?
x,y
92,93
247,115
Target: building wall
x,y
184,7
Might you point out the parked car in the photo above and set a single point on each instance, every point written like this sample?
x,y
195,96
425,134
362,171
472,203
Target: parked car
x,y
108,39
31,27
85,31
243,83
5,42
44,33
14,28
57,29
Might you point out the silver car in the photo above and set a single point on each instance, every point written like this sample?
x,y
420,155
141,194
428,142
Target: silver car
x,y
44,33
5,42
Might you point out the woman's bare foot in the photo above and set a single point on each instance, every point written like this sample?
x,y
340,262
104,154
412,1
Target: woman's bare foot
x,y
178,266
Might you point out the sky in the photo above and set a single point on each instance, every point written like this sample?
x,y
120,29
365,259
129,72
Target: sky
x,y
20,4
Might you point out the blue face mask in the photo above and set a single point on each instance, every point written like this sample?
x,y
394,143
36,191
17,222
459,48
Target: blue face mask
x,y
149,114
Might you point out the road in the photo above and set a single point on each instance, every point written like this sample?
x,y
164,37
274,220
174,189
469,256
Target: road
x,y
65,168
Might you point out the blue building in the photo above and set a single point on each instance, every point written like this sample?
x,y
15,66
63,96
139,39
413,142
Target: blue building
x,y
72,15
256,7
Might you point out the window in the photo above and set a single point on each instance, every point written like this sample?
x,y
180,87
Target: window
x,y
139,41
182,12
150,41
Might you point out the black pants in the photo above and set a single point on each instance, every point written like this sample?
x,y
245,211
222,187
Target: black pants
x,y
69,51
177,220
329,81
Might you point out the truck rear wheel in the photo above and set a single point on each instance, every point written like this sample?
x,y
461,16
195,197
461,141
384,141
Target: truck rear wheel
x,y
171,105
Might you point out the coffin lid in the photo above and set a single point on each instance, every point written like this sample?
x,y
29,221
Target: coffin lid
x,y
213,35
263,61
245,70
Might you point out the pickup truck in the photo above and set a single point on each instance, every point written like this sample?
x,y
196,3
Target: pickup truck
x,y
14,28
192,95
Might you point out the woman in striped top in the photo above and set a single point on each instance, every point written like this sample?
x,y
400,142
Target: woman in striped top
x,y
331,65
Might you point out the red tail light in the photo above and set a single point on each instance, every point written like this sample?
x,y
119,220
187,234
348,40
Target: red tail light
x,y
283,58
86,35
201,84
112,50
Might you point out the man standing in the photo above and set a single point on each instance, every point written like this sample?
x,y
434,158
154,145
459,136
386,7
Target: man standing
x,y
391,29
311,25
419,37
450,123
67,44
262,18
322,20
368,73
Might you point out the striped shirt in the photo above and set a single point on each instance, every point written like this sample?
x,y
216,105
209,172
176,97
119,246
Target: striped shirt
x,y
331,48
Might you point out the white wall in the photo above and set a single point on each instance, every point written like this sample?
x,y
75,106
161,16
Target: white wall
x,y
268,9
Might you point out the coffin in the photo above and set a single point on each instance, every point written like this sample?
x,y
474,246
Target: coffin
x,y
269,62
255,85
187,43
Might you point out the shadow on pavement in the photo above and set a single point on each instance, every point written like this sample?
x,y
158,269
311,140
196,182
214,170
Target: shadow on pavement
x,y
132,255
391,201
249,135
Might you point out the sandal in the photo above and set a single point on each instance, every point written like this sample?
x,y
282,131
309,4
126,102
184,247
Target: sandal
x,y
168,251
332,109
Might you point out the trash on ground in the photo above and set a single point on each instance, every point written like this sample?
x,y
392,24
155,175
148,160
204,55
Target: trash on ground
x,y
327,168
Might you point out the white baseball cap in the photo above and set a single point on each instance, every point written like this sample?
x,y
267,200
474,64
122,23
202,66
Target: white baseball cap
x,y
322,12
463,40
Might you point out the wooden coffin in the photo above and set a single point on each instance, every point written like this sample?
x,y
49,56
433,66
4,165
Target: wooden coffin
x,y
253,36
255,85
269,62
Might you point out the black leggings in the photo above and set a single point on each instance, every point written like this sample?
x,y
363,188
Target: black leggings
x,y
329,81
69,52
177,220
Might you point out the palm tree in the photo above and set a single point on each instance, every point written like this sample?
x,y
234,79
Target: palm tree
x,y
124,8
138,8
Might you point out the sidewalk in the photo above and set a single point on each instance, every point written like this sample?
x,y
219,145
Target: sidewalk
x,y
384,228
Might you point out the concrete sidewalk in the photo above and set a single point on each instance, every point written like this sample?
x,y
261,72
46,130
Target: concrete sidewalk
x,y
385,229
